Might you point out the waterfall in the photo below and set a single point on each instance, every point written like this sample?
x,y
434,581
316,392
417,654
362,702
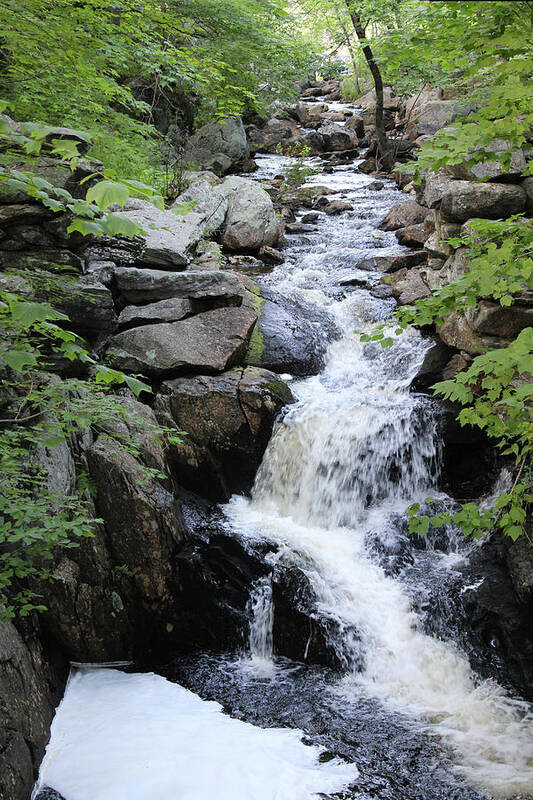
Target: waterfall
x,y
338,475
261,611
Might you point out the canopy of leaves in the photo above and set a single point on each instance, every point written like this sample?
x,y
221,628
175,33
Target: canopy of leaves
x,y
118,69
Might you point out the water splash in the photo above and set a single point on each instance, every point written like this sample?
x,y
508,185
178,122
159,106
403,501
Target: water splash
x,y
261,610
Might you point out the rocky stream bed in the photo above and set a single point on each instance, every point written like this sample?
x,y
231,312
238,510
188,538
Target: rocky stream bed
x,y
301,603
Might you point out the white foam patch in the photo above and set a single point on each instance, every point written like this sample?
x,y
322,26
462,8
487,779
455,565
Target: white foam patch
x,y
139,737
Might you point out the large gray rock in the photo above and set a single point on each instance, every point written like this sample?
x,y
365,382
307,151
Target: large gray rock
x,y
148,285
170,310
464,200
391,102
437,114
169,239
208,202
311,114
456,332
336,137
228,419
433,188
495,320
403,214
409,286
206,343
492,169
251,221
290,336
356,124
227,138
86,301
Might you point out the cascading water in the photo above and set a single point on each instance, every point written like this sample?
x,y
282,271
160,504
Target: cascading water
x,y
340,470
261,610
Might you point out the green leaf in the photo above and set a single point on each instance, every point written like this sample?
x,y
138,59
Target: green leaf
x,y
17,360
107,193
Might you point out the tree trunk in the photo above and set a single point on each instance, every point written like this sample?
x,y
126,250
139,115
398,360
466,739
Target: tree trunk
x,y
386,157
349,45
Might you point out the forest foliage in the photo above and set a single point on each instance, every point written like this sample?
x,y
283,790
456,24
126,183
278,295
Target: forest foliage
x,y
138,78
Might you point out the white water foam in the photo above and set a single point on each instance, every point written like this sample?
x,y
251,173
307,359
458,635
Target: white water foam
x,y
355,451
139,737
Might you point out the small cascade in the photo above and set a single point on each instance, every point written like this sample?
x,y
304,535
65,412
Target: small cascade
x,y
261,611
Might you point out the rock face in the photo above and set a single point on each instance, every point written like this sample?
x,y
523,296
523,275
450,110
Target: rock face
x,y
144,285
403,215
169,239
463,200
218,146
208,342
88,304
436,114
170,310
207,201
228,421
289,337
27,702
336,137
251,221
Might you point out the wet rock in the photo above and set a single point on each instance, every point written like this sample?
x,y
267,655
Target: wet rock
x,y
403,215
407,260
269,255
228,420
48,794
27,703
519,559
463,200
455,365
336,137
356,124
170,310
290,337
412,236
311,216
206,343
141,521
227,138
367,166
376,186
337,207
144,285
436,360
376,263
497,633
251,221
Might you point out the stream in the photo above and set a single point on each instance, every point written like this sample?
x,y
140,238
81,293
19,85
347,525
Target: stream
x,y
407,718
